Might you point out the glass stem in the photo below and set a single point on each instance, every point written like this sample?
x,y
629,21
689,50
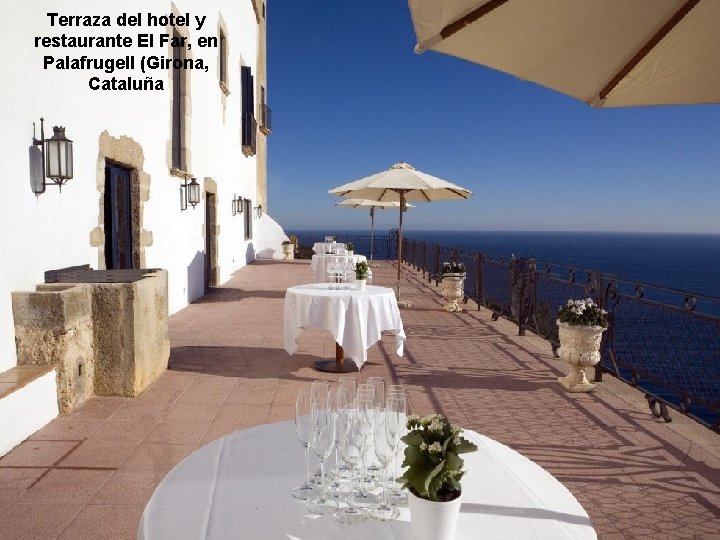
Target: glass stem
x,y
384,486
322,481
307,467
352,488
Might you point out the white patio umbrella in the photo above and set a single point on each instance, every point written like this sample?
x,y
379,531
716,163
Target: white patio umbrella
x,y
607,53
401,183
367,203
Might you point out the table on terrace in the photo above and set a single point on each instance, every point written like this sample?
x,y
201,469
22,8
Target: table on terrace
x,y
239,487
320,263
355,318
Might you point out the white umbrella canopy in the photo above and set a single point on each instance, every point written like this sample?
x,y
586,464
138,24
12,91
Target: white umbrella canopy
x,y
401,183
367,203
607,53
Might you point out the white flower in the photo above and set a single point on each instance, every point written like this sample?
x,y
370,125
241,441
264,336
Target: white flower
x,y
436,425
423,446
434,447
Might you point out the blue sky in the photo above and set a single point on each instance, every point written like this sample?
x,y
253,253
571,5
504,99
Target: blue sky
x,y
350,98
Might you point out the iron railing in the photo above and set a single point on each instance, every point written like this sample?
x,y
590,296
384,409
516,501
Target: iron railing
x,y
265,119
661,340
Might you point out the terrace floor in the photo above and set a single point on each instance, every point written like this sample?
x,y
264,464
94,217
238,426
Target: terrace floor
x,y
89,474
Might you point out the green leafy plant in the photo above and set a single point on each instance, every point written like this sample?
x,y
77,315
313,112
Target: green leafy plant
x,y
582,313
452,268
361,270
350,247
432,458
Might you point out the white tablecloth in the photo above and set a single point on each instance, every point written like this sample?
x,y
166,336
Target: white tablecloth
x,y
320,263
239,487
354,318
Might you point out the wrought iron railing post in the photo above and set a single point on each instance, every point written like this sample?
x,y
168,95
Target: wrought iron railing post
x,y
478,278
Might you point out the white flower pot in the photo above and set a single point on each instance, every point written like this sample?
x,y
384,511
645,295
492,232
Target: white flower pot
x,y
453,287
430,520
580,348
360,284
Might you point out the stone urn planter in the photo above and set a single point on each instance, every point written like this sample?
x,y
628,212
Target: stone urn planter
x,y
580,349
453,287
288,251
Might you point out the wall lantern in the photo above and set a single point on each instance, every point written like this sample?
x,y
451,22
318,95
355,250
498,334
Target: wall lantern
x,y
189,194
57,157
259,210
237,205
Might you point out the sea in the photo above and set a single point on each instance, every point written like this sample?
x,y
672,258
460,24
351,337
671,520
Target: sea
x,y
689,262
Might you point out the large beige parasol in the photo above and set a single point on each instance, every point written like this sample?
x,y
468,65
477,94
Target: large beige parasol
x,y
372,205
607,53
401,183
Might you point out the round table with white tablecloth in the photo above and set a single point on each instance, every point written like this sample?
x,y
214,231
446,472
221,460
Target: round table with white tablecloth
x,y
239,487
355,318
321,262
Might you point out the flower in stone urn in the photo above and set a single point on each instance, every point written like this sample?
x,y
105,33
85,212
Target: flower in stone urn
x,y
580,327
452,268
453,280
434,471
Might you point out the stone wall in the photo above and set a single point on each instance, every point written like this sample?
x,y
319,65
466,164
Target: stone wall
x,y
54,327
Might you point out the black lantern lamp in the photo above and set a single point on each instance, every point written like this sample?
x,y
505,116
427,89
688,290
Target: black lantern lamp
x,y
57,157
237,205
190,194
259,210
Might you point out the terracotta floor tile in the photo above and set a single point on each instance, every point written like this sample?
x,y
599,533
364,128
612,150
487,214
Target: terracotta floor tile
x,y
72,427
37,453
178,432
155,457
14,482
124,430
36,521
128,488
107,522
99,453
76,486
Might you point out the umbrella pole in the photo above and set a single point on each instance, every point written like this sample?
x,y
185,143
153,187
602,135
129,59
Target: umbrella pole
x,y
399,250
372,230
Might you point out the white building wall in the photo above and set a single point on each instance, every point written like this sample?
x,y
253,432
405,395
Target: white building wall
x,y
53,230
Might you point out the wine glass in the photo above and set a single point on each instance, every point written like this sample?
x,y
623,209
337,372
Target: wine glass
x,y
378,385
322,445
364,402
318,393
304,431
338,398
385,446
352,448
395,418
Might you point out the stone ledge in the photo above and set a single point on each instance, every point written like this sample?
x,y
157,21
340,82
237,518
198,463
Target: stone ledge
x,y
20,376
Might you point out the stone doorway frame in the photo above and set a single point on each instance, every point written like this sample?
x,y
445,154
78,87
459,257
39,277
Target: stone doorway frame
x,y
125,152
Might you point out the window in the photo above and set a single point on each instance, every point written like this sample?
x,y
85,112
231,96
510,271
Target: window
x,y
265,118
178,112
248,218
247,121
223,63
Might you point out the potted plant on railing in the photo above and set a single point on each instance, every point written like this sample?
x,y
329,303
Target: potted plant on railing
x,y
288,249
580,327
453,283
361,274
349,249
434,471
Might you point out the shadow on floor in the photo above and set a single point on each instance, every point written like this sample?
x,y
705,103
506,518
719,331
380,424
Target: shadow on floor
x,y
228,294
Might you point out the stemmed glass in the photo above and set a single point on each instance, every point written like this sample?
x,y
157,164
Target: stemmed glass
x,y
378,386
338,398
385,447
322,445
352,448
364,401
304,430
395,416
318,393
